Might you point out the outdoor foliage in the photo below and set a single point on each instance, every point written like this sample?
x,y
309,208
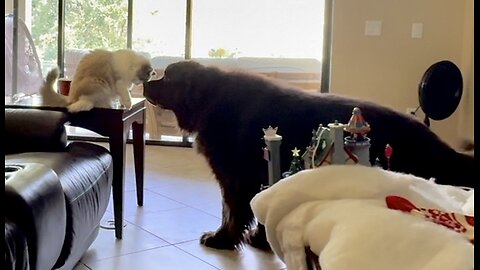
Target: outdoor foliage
x,y
88,24
221,53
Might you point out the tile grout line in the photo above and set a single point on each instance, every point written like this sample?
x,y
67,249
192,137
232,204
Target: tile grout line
x,y
186,204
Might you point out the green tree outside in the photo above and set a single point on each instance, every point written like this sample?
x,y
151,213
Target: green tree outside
x,y
221,53
89,24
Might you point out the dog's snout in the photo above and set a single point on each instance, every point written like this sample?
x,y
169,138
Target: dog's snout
x,y
146,90
149,88
151,91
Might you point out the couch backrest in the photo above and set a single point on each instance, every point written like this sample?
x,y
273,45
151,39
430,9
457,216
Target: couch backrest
x,y
34,130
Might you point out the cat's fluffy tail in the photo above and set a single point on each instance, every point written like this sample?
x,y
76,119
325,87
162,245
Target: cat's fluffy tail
x,y
49,96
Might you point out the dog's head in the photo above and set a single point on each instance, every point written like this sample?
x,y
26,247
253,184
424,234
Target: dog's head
x,y
133,65
174,88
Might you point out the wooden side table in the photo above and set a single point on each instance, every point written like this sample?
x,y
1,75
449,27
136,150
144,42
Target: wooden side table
x,y
114,124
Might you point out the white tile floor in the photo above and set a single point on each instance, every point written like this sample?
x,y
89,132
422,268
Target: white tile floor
x,y
182,200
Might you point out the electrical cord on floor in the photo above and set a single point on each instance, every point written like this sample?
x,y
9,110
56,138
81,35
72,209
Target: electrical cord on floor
x,y
110,225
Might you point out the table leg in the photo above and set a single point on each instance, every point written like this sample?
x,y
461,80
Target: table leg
x,y
118,141
139,157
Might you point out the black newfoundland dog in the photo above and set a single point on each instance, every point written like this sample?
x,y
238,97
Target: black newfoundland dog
x,y
228,109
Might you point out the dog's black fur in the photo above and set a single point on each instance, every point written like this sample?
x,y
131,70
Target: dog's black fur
x,y
228,110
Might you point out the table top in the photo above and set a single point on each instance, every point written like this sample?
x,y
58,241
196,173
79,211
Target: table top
x,y
104,121
35,101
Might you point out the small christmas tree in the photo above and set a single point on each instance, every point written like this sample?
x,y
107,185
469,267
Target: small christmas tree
x,y
296,164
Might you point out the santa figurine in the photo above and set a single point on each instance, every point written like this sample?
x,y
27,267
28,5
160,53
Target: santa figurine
x,y
357,126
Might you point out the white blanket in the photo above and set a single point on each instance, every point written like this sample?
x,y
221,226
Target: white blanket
x,y
339,211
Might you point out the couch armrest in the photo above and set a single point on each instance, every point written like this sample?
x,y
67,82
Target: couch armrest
x,y
34,130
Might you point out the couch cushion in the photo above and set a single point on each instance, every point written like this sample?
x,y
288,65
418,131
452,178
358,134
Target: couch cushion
x,y
85,172
35,204
16,248
33,130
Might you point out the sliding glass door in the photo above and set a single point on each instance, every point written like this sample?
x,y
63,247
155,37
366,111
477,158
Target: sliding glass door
x,y
280,38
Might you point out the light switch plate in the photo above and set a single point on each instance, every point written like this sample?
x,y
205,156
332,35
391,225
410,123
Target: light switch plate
x,y
373,28
417,30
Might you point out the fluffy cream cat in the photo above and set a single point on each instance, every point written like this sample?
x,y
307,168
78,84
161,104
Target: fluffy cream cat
x,y
100,79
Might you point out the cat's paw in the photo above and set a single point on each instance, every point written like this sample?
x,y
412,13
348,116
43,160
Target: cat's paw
x,y
127,104
80,106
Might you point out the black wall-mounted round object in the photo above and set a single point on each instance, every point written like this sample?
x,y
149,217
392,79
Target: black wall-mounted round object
x,y
440,90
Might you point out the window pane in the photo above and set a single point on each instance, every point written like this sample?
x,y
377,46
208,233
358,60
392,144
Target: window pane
x,y
45,32
10,81
93,24
280,38
267,28
159,27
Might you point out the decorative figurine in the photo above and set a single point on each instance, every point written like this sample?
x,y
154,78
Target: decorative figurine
x,y
318,148
358,143
339,155
388,154
272,154
270,132
327,146
295,165
357,126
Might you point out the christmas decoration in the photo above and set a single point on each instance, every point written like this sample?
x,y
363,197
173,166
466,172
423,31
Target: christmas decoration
x,y
318,148
358,143
296,164
272,154
357,126
388,154
270,132
457,222
327,146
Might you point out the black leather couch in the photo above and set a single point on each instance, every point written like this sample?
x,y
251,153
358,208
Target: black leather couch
x,y
55,192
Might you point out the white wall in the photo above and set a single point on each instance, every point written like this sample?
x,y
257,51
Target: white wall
x,y
388,68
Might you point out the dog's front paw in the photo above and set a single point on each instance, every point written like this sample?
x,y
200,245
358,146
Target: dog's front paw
x,y
257,238
215,240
